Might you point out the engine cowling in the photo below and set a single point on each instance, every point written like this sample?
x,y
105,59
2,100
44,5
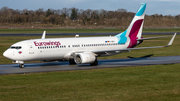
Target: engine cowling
x,y
82,58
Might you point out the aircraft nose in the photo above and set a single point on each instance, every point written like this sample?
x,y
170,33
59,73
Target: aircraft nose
x,y
7,54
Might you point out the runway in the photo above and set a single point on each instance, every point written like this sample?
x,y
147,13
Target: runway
x,y
64,66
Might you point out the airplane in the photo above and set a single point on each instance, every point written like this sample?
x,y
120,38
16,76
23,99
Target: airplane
x,y
81,50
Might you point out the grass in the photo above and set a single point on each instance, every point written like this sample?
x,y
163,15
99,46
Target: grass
x,y
82,30
7,41
145,83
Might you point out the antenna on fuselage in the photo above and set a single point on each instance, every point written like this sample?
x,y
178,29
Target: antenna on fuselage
x,y
44,35
76,36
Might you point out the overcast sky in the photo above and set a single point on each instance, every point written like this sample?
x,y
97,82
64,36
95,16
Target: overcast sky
x,y
164,7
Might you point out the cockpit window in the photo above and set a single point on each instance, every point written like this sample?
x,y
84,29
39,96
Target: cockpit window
x,y
15,47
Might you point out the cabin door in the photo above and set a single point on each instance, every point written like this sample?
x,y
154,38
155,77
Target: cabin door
x,y
31,49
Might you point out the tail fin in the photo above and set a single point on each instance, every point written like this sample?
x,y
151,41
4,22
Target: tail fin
x,y
134,31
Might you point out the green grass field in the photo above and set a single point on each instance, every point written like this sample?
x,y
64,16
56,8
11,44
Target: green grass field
x,y
140,83
145,83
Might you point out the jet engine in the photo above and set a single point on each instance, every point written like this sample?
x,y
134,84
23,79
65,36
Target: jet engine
x,y
82,58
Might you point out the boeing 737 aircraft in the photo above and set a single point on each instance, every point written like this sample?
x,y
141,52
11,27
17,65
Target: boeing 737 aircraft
x,y
81,50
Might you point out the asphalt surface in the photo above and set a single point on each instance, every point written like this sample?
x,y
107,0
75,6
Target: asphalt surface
x,y
82,34
64,66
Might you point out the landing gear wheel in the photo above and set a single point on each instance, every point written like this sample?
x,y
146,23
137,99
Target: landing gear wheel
x,y
72,62
21,65
95,63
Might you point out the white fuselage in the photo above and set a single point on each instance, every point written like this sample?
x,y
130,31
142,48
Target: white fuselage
x,y
60,48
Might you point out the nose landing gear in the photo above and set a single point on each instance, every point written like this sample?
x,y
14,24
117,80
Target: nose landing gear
x,y
21,63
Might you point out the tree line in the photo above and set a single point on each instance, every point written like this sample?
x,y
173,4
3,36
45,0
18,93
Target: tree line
x,y
79,17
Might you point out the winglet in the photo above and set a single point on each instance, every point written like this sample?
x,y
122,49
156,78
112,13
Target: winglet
x,y
44,35
171,41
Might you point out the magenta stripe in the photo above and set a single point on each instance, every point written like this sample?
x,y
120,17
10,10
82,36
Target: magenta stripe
x,y
133,33
135,28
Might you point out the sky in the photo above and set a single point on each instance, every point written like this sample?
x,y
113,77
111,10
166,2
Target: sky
x,y
164,7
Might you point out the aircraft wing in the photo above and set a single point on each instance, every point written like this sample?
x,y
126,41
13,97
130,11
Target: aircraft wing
x,y
128,49
152,38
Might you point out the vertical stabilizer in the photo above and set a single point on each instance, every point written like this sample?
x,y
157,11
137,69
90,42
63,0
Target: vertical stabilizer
x,y
134,31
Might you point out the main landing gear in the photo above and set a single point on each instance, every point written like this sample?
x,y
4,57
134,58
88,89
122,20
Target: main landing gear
x,y
72,62
21,65
95,63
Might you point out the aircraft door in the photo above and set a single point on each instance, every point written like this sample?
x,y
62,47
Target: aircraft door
x,y
31,49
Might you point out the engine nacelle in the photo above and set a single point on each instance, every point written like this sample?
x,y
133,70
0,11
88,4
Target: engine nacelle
x,y
82,58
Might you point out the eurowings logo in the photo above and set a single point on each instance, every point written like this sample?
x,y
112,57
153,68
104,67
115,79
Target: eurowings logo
x,y
57,43
19,52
